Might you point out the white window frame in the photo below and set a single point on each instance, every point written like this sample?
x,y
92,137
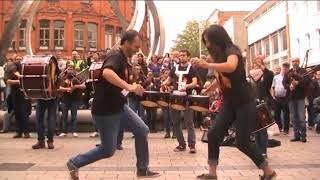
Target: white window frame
x,y
94,37
23,39
60,35
45,29
78,39
108,36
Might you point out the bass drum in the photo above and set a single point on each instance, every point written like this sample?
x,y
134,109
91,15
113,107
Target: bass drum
x,y
39,77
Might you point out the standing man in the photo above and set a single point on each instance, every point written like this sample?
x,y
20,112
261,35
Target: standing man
x,y
110,110
61,62
295,82
279,94
188,84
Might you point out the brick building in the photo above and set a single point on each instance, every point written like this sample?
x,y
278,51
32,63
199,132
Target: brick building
x,y
64,25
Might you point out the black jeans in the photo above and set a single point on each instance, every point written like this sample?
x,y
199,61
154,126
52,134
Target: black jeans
x,y
243,118
311,114
42,106
21,109
151,118
281,105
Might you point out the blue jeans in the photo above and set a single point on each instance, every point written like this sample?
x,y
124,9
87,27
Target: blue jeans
x,y
297,109
167,116
136,106
51,106
188,118
317,122
108,127
261,139
73,107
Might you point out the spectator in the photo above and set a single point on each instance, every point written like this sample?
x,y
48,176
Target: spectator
x,y
312,93
142,64
154,66
61,62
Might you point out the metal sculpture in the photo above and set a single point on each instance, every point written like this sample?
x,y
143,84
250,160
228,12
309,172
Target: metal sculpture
x,y
21,7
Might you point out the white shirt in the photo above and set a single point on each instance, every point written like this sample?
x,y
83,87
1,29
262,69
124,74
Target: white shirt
x,y
279,89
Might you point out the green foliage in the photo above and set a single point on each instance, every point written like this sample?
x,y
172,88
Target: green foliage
x,y
189,38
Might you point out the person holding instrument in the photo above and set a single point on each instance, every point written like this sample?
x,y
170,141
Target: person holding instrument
x,y
238,105
110,109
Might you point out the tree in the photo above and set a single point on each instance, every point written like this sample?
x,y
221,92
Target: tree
x,y
189,39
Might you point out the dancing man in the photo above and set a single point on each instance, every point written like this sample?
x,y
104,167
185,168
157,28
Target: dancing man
x,y
238,105
110,109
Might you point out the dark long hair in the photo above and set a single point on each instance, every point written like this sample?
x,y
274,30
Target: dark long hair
x,y
219,40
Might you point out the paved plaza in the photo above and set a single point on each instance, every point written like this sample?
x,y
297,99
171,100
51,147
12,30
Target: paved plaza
x,y
19,162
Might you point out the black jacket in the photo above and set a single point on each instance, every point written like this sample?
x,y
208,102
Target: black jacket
x,y
301,89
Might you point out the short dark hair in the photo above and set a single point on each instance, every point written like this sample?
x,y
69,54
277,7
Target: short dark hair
x,y
128,36
185,51
286,65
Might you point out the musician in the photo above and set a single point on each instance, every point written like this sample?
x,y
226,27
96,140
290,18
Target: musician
x,y
296,82
261,81
280,96
238,105
51,106
185,80
151,84
72,89
20,106
166,86
109,110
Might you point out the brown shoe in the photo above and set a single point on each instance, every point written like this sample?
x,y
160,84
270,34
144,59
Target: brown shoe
x,y
50,145
26,135
39,145
17,136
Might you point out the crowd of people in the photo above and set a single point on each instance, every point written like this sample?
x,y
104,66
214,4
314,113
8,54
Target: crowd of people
x,y
291,94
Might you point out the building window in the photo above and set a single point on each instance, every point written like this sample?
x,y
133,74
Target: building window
x,y
22,35
108,36
318,5
259,47
266,45
275,47
92,36
44,34
252,53
86,1
308,40
283,36
12,45
78,35
118,34
58,34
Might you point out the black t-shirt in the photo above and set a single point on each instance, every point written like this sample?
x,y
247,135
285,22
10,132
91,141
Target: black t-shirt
x,y
68,97
239,92
185,78
108,98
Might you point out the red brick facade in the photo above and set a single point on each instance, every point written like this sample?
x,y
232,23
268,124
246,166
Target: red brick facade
x,y
66,25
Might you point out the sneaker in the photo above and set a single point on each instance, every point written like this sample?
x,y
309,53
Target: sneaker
x,y
94,134
26,135
207,176
147,174
193,150
39,145
73,171
17,136
167,136
295,139
63,135
304,140
270,177
75,135
119,147
179,148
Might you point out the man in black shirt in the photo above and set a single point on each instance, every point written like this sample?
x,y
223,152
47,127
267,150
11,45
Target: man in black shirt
x,y
186,84
110,109
295,83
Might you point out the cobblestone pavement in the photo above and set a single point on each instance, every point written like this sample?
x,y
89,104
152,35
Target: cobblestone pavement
x,y
291,160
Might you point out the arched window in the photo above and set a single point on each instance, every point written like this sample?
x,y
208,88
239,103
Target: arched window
x,y
58,34
108,36
92,36
44,35
78,35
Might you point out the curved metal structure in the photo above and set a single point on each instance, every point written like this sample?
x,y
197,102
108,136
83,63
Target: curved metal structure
x,y
21,7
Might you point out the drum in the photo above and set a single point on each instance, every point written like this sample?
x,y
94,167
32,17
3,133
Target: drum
x,y
264,118
164,99
199,103
39,77
95,70
178,100
150,98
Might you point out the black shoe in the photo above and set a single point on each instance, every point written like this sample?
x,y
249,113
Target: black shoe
x,y
26,135
39,145
270,177
295,139
167,136
207,176
174,136
179,148
73,171
286,132
119,147
304,140
17,136
147,174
